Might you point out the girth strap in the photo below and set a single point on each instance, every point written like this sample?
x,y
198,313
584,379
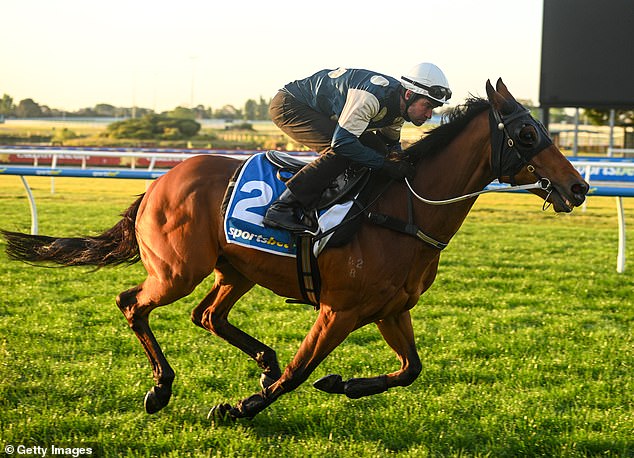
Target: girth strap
x,y
308,271
405,228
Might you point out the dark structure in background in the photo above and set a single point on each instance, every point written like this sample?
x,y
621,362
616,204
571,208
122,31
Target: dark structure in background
x,y
587,55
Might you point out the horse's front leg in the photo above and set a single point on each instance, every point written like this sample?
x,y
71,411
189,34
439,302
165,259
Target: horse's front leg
x,y
212,314
330,329
398,333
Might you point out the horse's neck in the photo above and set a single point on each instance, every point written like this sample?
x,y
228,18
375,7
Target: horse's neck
x,y
461,168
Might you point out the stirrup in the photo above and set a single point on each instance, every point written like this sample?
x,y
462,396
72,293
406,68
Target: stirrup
x,y
286,221
296,228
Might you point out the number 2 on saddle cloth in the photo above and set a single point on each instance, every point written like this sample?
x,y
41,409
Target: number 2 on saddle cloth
x,y
256,185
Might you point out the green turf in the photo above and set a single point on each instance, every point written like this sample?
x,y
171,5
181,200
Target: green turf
x,y
525,337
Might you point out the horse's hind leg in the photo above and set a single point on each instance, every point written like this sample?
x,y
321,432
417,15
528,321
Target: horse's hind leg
x,y
212,312
136,305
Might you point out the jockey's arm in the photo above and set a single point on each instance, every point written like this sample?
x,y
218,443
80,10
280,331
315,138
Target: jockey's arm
x,y
360,108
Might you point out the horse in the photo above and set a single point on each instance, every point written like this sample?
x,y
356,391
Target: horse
x,y
175,228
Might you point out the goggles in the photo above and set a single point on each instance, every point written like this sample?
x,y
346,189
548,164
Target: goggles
x,y
435,92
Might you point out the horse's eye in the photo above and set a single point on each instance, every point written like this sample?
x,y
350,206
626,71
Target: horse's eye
x,y
527,136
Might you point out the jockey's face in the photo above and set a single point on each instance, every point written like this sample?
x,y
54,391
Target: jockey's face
x,y
420,110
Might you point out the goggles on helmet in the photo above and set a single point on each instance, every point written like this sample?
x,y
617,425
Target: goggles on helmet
x,y
436,92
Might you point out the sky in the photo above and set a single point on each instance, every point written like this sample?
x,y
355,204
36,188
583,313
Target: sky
x,y
72,54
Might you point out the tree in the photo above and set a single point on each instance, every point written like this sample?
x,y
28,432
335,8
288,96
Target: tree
x,y
263,109
182,113
188,127
227,112
201,112
559,115
602,117
153,126
6,105
104,109
256,111
250,110
27,108
86,112
47,112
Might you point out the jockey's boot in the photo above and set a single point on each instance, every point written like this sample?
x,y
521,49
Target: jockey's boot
x,y
282,214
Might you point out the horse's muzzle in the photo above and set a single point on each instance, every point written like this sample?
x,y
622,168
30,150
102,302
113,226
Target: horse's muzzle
x,y
564,199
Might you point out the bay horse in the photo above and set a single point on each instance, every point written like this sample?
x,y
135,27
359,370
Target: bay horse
x,y
176,230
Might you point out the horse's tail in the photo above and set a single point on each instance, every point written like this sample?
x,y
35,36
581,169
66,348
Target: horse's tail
x,y
118,245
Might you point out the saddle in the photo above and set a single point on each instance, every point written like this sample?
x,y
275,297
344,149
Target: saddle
x,y
351,185
341,211
345,186
351,192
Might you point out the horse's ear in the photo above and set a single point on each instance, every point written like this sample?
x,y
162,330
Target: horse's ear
x,y
496,99
489,88
502,89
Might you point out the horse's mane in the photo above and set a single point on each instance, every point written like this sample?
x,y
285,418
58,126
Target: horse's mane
x,y
453,122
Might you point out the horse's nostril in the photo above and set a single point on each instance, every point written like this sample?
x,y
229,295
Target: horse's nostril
x,y
580,189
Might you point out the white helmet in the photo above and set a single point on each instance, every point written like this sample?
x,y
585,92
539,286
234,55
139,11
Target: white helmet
x,y
428,80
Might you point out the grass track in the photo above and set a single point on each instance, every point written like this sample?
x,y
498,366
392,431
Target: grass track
x,y
526,341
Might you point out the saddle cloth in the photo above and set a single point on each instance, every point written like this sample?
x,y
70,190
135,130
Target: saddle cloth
x,y
256,187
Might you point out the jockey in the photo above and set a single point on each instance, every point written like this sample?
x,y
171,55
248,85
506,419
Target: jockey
x,y
345,115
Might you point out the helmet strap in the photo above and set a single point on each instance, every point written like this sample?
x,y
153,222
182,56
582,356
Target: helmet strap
x,y
408,102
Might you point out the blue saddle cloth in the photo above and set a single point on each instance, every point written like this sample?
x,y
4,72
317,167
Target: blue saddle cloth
x,y
256,188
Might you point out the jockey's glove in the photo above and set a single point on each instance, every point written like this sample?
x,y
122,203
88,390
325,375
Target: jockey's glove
x,y
398,170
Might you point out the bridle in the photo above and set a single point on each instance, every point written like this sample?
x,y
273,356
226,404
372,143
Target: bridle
x,y
511,151
516,137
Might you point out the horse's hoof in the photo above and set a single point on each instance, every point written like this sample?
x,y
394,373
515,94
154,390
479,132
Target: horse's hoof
x,y
332,383
266,381
221,413
157,398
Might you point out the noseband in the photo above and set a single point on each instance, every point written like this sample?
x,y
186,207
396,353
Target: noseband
x,y
510,151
